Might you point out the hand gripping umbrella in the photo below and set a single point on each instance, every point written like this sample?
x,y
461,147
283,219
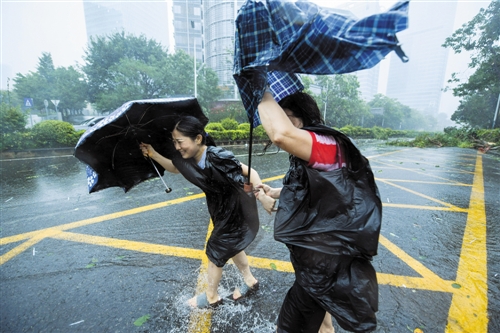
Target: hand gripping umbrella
x,y
111,148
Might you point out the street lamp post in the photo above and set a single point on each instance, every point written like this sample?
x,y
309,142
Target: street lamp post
x,y
55,102
46,103
195,74
326,101
496,112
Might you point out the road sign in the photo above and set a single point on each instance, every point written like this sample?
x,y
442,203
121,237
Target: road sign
x,y
55,101
28,102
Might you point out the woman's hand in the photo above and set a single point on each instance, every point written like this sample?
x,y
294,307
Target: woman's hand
x,y
267,202
147,150
270,191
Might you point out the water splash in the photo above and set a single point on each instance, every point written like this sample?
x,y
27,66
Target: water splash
x,y
172,314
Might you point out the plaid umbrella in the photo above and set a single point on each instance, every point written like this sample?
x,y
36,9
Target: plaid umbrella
x,y
276,39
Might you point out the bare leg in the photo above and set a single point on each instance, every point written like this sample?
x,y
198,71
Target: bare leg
x,y
214,274
326,325
241,261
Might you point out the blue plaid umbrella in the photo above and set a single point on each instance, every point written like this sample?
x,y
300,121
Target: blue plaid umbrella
x,y
277,39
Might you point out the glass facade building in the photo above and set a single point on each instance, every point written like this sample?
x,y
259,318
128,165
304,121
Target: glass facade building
x,y
419,82
103,18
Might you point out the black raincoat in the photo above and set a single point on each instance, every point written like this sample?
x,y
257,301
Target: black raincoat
x,y
330,221
233,211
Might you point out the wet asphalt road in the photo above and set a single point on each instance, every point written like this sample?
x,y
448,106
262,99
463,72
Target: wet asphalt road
x,y
77,262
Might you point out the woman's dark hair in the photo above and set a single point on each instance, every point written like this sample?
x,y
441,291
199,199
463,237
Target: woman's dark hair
x,y
191,127
303,106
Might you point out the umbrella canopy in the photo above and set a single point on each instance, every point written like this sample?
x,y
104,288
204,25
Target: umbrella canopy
x,y
111,148
300,37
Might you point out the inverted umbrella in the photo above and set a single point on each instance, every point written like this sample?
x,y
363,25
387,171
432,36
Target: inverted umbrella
x,y
296,37
111,148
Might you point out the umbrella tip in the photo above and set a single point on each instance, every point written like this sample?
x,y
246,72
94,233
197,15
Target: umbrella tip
x,y
168,190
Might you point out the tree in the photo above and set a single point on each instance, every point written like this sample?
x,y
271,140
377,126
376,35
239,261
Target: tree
x,y
12,119
344,105
124,67
398,116
65,84
479,94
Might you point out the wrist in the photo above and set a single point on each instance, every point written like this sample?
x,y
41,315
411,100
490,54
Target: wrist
x,y
268,90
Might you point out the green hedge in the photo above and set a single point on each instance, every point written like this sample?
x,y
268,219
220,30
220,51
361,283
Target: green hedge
x,y
453,137
54,133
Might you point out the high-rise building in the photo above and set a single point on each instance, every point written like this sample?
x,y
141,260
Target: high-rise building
x,y
188,27
419,82
205,28
219,28
151,19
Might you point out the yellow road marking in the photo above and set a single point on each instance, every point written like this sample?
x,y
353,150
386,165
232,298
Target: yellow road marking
x,y
131,245
423,182
429,277
420,172
200,321
102,218
385,154
469,305
39,236
408,206
420,194
468,311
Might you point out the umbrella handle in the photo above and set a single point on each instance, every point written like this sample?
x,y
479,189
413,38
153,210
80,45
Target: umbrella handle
x,y
167,189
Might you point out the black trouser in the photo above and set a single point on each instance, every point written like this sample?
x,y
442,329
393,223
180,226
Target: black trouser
x,y
300,313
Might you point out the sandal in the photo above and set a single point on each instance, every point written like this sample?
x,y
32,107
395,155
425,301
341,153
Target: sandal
x,y
246,291
202,302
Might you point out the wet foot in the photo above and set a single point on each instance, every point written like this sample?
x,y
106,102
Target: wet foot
x,y
193,302
237,292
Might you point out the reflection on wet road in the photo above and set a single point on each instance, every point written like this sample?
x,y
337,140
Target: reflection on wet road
x,y
142,253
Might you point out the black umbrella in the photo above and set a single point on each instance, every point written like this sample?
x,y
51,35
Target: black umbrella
x,y
111,148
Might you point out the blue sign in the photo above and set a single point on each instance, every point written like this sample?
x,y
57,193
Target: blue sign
x,y
28,102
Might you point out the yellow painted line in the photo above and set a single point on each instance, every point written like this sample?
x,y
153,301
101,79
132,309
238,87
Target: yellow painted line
x,y
420,194
468,310
272,178
410,282
385,154
419,172
408,206
201,320
26,245
469,305
417,266
423,182
35,237
102,218
266,263
123,244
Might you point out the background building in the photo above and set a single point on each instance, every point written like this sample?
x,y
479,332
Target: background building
x,y
419,82
188,27
219,28
150,19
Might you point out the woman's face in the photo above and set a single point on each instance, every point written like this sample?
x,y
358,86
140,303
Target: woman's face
x,y
296,121
188,147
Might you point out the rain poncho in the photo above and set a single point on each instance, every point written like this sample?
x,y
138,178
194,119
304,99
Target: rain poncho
x,y
331,220
233,211
300,37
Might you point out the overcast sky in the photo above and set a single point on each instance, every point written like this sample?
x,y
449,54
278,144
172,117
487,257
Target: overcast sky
x,y
29,28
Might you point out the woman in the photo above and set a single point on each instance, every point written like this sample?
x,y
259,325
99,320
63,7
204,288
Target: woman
x,y
329,217
233,211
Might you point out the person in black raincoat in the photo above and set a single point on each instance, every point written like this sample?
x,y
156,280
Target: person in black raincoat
x,y
329,216
232,209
